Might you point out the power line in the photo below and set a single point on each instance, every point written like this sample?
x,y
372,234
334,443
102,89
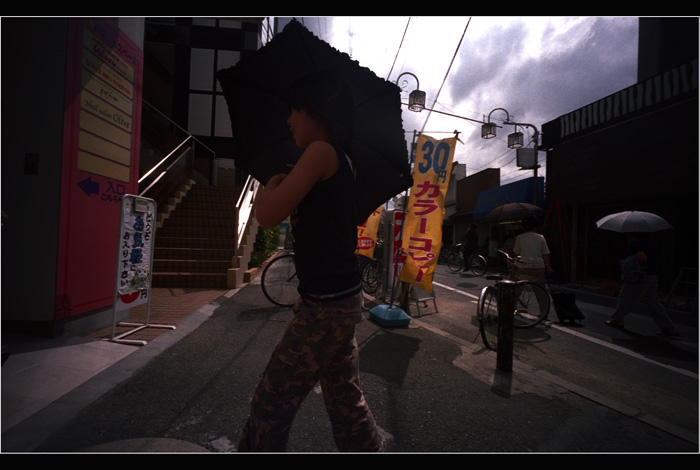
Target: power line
x,y
448,71
399,49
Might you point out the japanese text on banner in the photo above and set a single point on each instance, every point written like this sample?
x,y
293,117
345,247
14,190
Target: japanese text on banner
x,y
367,234
422,235
134,259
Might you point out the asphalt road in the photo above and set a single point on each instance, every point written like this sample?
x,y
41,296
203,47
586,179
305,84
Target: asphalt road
x,y
432,387
632,366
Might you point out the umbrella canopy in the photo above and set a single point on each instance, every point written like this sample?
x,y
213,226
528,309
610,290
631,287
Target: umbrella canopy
x,y
256,94
633,221
513,211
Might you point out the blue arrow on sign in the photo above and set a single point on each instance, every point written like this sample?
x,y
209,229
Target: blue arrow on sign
x,y
90,187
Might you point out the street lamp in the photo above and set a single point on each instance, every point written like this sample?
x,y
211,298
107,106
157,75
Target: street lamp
x,y
416,99
416,102
488,130
526,158
515,140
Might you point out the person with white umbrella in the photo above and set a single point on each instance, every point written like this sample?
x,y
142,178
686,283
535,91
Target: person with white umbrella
x,y
639,268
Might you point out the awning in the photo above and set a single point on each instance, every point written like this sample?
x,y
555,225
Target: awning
x,y
520,191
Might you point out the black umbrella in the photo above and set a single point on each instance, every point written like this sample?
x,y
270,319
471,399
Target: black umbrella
x,y
513,211
256,89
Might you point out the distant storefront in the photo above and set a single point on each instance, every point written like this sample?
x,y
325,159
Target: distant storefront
x,y
519,191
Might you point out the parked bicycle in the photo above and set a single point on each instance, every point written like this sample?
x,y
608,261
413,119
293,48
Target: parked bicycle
x,y
477,263
279,280
371,274
532,303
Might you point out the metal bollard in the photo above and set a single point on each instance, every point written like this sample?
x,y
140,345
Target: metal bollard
x,y
506,306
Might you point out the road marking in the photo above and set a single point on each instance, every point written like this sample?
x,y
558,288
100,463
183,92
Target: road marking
x,y
456,290
622,350
592,339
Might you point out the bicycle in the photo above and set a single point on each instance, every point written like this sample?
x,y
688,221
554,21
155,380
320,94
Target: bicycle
x,y
279,280
532,304
477,263
371,274
446,250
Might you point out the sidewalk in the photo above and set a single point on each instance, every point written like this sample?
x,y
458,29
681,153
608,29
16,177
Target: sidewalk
x,y
47,383
39,371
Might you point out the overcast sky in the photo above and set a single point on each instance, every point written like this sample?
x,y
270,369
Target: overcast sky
x,y
537,68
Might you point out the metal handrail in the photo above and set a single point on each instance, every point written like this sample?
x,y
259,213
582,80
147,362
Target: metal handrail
x,y
164,159
163,173
173,123
187,149
244,206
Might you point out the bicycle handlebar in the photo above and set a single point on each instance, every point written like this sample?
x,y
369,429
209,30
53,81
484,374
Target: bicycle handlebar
x,y
511,258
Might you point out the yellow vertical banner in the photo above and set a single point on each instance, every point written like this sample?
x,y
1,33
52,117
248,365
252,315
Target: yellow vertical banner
x,y
422,232
367,234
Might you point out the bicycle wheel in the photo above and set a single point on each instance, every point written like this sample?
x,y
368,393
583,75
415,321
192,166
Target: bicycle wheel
x,y
454,262
531,305
478,265
279,281
371,276
487,313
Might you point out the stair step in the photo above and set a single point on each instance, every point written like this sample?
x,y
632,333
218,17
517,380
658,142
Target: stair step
x,y
198,232
222,199
175,279
194,253
197,242
191,266
194,242
199,221
192,210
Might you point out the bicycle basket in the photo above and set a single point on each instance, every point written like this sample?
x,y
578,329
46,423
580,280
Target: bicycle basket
x,y
519,270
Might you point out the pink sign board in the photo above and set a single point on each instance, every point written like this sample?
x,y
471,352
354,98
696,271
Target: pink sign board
x,y
100,160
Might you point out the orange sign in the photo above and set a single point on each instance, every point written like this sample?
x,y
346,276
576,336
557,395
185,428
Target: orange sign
x,y
422,234
367,234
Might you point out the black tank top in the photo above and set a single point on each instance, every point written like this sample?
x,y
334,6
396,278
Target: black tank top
x,y
324,227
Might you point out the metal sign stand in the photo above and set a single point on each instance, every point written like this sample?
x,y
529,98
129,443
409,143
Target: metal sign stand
x,y
134,250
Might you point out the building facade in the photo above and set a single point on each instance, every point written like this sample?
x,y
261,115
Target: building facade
x,y
636,149
73,107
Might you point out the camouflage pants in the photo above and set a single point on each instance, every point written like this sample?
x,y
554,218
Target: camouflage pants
x,y
319,345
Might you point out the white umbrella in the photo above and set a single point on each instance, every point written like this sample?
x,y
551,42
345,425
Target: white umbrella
x,y
633,221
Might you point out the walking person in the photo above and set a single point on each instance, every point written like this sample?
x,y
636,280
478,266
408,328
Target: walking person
x,y
319,344
533,251
470,244
639,284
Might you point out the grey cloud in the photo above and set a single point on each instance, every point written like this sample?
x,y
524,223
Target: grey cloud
x,y
552,84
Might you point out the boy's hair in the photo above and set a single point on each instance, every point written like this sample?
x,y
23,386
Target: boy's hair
x,y
327,97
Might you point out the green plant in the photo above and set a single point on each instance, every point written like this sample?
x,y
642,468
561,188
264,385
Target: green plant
x,y
266,243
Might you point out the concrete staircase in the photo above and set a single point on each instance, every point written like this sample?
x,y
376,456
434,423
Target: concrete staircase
x,y
196,241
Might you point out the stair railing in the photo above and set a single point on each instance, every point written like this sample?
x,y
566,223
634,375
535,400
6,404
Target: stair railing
x,y
244,207
185,154
160,134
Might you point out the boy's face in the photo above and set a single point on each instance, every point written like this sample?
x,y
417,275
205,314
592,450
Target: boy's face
x,y
305,128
